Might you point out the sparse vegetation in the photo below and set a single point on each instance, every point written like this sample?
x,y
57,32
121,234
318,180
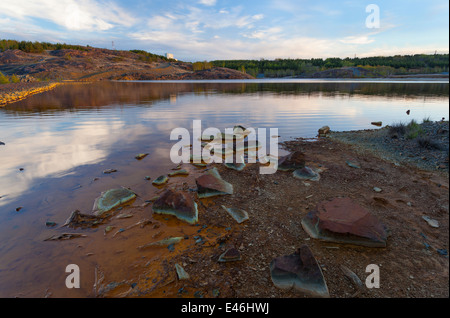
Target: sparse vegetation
x,y
3,79
414,130
14,79
200,66
397,130
409,131
149,57
428,143
426,120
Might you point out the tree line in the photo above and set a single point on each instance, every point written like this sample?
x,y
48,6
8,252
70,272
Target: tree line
x,y
379,66
40,47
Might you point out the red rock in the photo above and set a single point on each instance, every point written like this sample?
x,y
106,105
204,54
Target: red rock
x,y
293,161
177,203
211,184
343,221
300,271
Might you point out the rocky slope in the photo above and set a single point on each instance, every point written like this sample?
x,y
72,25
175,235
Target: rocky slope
x,y
95,64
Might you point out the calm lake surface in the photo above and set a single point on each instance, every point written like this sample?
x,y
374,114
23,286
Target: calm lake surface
x,y
58,143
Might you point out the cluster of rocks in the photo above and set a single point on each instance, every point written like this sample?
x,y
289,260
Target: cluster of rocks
x,y
339,220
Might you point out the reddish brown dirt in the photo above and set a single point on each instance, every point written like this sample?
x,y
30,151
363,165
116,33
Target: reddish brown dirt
x,y
276,204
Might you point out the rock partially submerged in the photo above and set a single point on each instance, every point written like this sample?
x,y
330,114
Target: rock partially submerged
x,y
64,236
110,199
160,180
238,214
77,219
178,204
211,184
343,221
306,173
141,156
180,172
293,161
324,131
299,271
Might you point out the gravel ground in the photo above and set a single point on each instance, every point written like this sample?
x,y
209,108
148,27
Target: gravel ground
x,y
429,150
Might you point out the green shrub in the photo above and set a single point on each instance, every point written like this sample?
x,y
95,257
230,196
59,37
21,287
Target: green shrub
x,y
426,120
414,130
14,79
3,79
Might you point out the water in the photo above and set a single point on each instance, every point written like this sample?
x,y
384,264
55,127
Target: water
x,y
59,142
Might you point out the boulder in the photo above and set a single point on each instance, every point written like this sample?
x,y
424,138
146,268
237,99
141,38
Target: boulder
x,y
211,184
341,220
178,204
110,199
324,131
293,161
299,271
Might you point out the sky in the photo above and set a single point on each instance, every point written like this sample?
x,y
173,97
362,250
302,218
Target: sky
x,y
246,29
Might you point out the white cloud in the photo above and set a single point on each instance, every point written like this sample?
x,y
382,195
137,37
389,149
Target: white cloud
x,y
84,15
363,39
208,2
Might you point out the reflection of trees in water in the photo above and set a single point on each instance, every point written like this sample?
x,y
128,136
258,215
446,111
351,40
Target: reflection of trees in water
x,y
101,94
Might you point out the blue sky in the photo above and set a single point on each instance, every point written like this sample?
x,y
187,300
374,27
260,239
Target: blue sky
x,y
219,29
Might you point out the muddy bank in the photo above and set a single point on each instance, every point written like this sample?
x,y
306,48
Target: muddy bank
x,y
10,93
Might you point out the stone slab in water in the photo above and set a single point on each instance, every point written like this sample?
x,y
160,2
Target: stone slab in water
x,y
161,180
110,199
178,204
299,271
341,220
211,184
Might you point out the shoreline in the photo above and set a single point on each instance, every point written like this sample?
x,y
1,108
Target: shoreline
x,y
14,92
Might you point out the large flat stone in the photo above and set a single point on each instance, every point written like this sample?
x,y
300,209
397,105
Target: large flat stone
x,y
110,199
178,204
299,271
341,220
211,184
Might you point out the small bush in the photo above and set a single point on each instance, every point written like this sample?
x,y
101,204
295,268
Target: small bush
x,y
3,79
428,143
414,130
14,79
397,130
426,120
